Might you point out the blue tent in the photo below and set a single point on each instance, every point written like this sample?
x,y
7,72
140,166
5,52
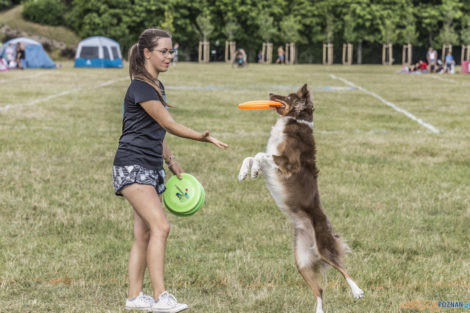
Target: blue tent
x,y
98,51
35,56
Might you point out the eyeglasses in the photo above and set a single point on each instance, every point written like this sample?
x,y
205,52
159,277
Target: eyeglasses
x,y
166,52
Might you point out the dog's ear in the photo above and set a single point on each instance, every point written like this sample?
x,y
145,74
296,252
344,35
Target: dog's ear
x,y
303,92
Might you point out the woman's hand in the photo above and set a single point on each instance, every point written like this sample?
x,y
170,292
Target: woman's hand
x,y
176,169
207,138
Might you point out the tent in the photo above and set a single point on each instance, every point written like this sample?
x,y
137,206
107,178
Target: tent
x,y
98,51
36,57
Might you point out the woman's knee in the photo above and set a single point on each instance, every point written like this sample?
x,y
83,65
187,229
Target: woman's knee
x,y
161,229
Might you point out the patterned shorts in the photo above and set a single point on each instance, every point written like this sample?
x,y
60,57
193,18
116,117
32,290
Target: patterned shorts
x,y
130,174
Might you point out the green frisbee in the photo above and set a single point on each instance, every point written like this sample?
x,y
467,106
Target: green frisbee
x,y
183,197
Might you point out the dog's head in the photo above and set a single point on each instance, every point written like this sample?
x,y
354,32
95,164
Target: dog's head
x,y
298,105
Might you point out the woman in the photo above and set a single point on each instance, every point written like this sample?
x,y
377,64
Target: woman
x,y
138,173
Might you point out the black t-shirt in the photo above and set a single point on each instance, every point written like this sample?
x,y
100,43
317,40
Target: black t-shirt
x,y
142,137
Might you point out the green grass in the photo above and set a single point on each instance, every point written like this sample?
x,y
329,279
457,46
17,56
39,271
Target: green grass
x,y
397,193
14,19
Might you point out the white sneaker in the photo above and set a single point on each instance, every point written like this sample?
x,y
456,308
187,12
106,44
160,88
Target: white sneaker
x,y
141,302
167,303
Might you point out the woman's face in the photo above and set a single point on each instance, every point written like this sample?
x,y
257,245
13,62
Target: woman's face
x,y
160,57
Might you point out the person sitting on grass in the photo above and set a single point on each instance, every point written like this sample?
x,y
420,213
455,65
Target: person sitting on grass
x,y
3,65
423,67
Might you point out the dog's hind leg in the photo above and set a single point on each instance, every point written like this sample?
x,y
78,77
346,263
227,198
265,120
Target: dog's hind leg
x,y
243,174
309,262
357,292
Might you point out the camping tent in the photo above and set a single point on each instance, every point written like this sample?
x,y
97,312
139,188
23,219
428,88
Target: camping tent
x,y
98,51
35,56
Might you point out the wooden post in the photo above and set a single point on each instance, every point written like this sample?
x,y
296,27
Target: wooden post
x,y
267,53
230,47
465,53
387,55
445,50
204,52
328,53
233,47
290,53
199,54
407,54
347,53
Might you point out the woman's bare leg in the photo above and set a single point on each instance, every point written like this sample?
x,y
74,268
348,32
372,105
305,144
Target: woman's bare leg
x,y
146,203
138,256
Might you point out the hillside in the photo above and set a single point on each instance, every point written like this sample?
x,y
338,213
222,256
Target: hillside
x,y
58,38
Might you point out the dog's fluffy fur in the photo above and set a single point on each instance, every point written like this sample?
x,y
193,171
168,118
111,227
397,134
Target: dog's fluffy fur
x,y
291,176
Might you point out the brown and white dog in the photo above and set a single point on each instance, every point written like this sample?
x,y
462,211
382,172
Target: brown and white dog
x,y
291,176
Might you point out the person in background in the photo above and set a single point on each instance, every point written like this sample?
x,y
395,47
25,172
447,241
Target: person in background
x,y
431,57
9,53
20,55
450,63
175,56
280,55
423,67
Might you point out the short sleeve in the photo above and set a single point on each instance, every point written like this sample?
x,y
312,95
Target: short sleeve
x,y
144,92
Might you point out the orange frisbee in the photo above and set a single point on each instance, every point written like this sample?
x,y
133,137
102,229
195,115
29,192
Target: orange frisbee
x,y
259,105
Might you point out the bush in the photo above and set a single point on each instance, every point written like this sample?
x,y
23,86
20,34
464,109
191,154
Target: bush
x,y
49,12
5,4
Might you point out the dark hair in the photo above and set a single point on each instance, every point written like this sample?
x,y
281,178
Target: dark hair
x,y
148,39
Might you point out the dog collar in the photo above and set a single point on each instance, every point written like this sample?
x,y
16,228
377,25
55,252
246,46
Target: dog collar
x,y
309,124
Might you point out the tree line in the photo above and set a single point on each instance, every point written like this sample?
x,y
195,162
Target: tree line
x,y
307,23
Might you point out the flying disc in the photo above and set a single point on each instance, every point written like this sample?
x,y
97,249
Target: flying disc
x,y
183,197
259,105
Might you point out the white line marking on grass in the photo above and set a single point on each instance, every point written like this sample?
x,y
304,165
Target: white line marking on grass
x,y
63,93
23,77
390,104
443,79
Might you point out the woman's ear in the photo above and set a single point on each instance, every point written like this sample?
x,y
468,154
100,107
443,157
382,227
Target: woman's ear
x,y
147,53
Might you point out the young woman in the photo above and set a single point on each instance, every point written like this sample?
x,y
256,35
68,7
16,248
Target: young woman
x,y
138,173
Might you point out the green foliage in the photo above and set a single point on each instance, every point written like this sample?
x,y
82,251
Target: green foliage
x,y
409,34
267,29
349,31
168,22
205,26
5,4
465,34
448,35
49,12
290,27
250,22
388,31
231,28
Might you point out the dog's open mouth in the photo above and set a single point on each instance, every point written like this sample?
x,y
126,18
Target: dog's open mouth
x,y
282,109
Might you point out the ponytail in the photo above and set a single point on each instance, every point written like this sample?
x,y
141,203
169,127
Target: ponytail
x,y
135,60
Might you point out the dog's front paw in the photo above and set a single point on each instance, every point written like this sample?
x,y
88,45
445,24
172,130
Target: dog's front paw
x,y
255,170
243,174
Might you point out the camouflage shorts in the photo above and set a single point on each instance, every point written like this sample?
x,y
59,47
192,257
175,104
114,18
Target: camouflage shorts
x,y
130,174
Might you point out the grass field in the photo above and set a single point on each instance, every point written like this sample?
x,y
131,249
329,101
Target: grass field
x,y
394,190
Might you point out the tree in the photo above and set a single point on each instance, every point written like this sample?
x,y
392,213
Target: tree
x,y
231,28
267,30
448,35
465,33
168,22
205,26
